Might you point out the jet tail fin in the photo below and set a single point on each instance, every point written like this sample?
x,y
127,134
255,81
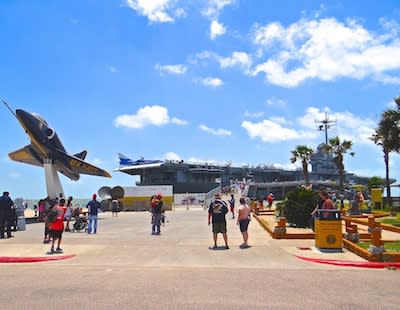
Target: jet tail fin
x,y
81,155
82,167
124,161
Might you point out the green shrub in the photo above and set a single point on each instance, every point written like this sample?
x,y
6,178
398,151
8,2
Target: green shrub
x,y
297,206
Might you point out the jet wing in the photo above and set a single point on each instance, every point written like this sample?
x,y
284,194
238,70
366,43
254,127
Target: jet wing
x,y
82,167
26,155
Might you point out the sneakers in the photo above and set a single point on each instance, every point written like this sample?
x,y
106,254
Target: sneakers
x,y
51,252
226,247
59,250
45,241
153,232
158,233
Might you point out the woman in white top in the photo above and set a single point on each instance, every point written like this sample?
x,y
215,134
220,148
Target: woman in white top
x,y
243,220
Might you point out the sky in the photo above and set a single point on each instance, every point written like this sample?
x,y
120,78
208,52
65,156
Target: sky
x,y
218,81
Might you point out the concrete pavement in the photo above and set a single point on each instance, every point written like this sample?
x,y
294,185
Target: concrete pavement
x,y
124,266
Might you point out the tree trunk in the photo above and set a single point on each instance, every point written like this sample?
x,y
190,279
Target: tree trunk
x,y
305,173
387,179
341,168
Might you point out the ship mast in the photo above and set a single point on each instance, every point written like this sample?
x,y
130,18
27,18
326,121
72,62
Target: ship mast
x,y
324,125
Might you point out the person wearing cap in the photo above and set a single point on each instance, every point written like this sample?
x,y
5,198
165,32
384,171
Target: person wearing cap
x,y
93,210
216,214
157,210
6,206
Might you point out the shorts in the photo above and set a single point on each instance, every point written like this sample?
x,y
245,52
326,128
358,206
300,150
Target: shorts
x,y
244,224
219,228
56,234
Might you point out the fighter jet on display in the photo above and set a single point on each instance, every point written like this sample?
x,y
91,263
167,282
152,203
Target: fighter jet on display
x,y
46,147
126,163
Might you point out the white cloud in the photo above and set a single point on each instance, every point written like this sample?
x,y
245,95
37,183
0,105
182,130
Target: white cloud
x,y
216,29
253,114
149,115
178,121
288,166
180,13
325,49
215,132
214,7
171,69
387,79
113,69
276,101
157,11
14,175
97,161
238,59
347,125
172,156
391,104
271,131
211,82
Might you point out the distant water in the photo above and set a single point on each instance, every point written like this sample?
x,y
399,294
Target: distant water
x,y
81,201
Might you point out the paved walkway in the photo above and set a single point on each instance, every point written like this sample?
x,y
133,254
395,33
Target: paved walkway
x,y
124,266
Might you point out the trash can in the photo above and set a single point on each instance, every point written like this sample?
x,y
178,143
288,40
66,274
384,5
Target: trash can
x,y
21,223
20,213
328,230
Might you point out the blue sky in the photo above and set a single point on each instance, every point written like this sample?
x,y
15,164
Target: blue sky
x,y
241,81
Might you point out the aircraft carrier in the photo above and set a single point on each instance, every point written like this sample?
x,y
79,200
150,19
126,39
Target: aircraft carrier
x,y
201,178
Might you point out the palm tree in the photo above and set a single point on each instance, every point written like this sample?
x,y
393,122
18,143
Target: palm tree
x,y
338,149
387,136
302,153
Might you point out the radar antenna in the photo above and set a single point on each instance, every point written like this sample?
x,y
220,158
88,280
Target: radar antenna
x,y
324,125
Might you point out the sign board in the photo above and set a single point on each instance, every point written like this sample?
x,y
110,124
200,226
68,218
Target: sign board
x,y
376,195
137,198
328,234
189,198
148,191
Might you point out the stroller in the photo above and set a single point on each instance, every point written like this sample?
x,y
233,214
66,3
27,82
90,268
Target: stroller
x,y
81,223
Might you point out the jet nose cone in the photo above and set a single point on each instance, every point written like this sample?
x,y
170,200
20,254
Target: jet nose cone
x,y
24,118
21,113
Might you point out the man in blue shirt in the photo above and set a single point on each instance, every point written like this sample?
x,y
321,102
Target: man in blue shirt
x,y
93,210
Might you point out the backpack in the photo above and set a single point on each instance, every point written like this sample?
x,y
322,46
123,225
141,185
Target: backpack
x,y
52,215
158,208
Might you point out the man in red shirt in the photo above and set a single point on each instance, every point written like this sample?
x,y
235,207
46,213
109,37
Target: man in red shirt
x,y
57,227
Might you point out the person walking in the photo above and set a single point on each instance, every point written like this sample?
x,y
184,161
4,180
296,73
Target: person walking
x,y
115,207
232,205
56,226
157,210
93,210
68,213
243,221
314,213
6,206
216,214
270,200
